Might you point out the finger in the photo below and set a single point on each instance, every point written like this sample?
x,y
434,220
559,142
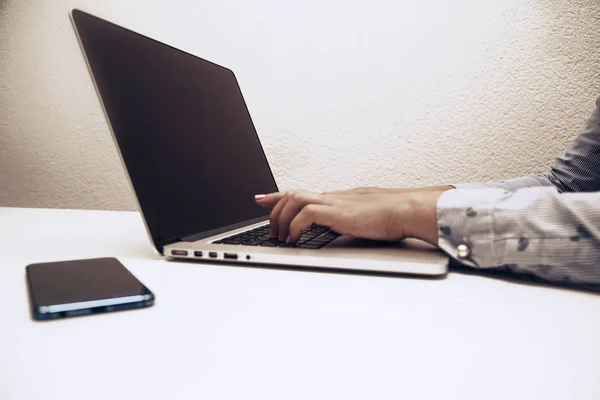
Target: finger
x,y
296,201
268,200
274,216
314,214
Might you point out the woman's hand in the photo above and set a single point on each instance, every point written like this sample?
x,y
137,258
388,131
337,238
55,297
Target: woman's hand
x,y
370,213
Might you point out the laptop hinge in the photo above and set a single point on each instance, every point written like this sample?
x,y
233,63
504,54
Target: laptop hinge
x,y
213,232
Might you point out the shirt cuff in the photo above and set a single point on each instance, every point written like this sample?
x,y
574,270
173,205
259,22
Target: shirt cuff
x,y
465,219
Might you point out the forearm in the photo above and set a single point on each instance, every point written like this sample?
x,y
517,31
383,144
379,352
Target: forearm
x,y
436,188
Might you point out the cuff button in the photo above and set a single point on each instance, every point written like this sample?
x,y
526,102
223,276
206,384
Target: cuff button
x,y
463,251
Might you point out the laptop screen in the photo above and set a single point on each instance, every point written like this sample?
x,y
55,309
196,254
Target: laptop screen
x,y
183,129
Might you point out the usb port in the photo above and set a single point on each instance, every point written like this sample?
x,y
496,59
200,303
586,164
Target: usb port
x,y
212,254
198,254
179,252
230,256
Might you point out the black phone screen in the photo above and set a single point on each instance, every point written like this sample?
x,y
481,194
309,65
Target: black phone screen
x,y
80,287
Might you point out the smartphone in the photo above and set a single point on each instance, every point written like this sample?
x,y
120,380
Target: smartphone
x,y
82,287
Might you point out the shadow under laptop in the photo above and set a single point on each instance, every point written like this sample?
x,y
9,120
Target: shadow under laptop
x,y
520,278
454,267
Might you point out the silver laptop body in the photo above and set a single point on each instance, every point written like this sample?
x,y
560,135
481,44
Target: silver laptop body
x,y
194,159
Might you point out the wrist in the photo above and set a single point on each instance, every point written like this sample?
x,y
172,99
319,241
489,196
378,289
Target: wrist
x,y
422,221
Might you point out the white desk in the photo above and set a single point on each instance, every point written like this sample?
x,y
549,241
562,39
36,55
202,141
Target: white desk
x,y
223,332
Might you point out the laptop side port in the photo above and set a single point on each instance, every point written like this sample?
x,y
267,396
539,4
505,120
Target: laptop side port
x,y
197,254
230,256
212,254
179,252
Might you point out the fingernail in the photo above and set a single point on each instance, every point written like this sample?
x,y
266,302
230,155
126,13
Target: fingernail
x,y
259,196
289,239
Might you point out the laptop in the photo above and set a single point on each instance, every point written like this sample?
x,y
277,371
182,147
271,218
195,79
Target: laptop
x,y
195,162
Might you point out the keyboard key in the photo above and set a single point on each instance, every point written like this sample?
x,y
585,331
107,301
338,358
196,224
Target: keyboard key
x,y
305,238
310,245
254,242
271,243
287,245
320,241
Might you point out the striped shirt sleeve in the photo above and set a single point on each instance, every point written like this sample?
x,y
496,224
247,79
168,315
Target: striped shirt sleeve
x,y
546,225
538,231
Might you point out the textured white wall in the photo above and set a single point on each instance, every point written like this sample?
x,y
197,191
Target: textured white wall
x,y
343,92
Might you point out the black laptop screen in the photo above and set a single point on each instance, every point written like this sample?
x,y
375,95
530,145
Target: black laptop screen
x,y
183,130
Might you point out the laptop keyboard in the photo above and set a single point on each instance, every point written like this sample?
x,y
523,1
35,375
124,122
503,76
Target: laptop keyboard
x,y
314,237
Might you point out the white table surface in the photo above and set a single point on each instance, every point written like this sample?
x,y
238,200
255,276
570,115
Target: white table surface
x,y
224,332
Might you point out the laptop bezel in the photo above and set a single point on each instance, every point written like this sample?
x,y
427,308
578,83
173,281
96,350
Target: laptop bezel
x,y
159,244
